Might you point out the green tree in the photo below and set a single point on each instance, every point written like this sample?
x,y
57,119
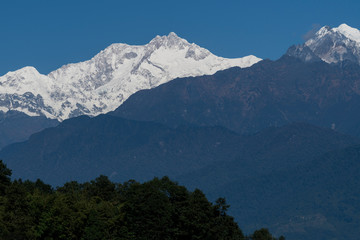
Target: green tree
x,y
100,209
148,211
5,179
101,187
221,206
262,234
198,215
19,223
70,188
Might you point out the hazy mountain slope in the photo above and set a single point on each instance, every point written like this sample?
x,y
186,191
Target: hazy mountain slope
x,y
260,175
17,126
316,200
83,148
102,83
272,149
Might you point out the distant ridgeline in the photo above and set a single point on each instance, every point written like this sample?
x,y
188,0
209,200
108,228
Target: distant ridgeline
x,y
101,209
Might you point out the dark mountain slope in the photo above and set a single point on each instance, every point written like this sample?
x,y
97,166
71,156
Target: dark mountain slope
x,y
83,147
270,150
17,126
319,199
248,100
262,175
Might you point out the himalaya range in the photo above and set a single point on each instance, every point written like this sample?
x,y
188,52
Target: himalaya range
x,y
103,83
279,139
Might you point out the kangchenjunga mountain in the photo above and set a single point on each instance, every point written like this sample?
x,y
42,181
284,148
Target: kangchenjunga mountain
x,y
102,83
109,78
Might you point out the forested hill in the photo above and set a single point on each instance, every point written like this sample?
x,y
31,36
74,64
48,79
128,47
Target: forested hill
x,y
101,209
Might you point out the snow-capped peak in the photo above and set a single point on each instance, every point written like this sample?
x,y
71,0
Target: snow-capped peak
x,y
170,41
25,71
104,82
323,31
332,45
170,37
349,32
343,29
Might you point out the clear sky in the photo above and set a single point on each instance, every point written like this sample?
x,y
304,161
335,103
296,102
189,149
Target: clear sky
x,y
47,34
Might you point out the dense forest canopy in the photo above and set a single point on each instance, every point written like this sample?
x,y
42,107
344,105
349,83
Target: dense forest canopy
x,y
101,209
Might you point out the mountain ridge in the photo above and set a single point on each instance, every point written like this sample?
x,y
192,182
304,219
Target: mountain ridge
x,y
102,83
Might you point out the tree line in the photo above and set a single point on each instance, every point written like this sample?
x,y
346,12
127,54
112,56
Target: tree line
x,y
101,209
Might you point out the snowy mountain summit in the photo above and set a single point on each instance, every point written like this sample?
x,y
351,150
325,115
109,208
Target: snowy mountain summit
x,y
104,82
332,45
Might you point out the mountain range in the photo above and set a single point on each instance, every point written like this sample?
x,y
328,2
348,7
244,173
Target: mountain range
x,y
102,83
279,139
270,93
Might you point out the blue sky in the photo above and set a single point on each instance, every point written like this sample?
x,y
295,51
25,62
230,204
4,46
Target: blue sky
x,y
48,34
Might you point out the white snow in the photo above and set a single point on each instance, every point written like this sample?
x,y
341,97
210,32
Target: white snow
x,y
349,32
104,82
4,109
334,45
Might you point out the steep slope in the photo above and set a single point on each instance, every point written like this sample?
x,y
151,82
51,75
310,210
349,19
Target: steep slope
x,y
109,78
248,100
332,45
